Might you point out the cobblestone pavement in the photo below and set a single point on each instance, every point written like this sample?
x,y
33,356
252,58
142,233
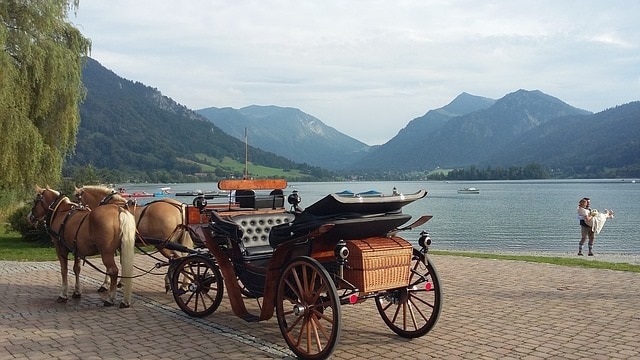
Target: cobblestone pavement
x,y
492,309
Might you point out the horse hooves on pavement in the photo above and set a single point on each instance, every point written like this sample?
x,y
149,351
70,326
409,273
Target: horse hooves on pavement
x,y
107,304
76,296
124,306
102,289
61,300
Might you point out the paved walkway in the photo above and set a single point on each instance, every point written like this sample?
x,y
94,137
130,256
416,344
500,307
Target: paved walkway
x,y
492,309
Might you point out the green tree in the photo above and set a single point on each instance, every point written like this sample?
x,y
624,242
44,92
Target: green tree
x,y
40,91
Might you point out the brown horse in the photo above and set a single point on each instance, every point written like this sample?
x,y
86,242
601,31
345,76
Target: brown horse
x,y
161,220
83,232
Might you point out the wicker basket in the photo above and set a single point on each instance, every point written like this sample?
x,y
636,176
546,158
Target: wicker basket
x,y
378,263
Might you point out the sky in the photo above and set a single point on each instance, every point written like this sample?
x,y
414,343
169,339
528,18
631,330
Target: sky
x,y
367,68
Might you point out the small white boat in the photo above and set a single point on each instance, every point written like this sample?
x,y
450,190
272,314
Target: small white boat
x,y
469,190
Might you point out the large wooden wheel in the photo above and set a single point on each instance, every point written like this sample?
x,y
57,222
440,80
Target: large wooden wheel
x,y
308,309
413,311
197,285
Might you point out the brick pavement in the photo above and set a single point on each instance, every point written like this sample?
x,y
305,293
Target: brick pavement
x,y
492,309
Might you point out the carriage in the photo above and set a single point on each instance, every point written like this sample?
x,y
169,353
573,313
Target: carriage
x,y
304,264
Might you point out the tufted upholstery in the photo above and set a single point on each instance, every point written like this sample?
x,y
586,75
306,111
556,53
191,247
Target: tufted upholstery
x,y
255,230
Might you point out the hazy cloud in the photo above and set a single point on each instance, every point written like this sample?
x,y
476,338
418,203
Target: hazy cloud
x,y
369,67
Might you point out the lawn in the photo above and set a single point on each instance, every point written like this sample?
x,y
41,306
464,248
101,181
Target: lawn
x,y
14,248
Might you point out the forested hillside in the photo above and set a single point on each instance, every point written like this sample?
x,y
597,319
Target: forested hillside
x,y
134,131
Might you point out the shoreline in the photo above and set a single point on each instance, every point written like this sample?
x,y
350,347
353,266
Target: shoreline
x,y
603,257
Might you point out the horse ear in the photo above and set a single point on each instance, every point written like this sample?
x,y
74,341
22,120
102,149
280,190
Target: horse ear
x,y
38,188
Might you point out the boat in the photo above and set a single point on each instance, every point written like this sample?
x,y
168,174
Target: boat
x,y
140,194
190,193
206,194
164,192
469,190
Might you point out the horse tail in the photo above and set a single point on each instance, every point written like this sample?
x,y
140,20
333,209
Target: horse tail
x,y
127,250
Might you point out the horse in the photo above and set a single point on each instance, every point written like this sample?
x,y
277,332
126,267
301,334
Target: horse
x,y
76,229
162,220
598,219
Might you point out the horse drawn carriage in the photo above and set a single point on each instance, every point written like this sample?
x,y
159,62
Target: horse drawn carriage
x,y
303,264
306,263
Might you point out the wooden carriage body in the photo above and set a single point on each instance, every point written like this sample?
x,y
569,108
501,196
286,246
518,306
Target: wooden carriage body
x,y
289,257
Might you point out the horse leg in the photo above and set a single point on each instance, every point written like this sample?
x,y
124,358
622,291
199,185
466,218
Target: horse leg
x,y
64,285
105,284
182,237
76,270
112,272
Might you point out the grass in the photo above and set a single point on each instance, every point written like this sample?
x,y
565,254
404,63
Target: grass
x,y
14,248
236,166
554,260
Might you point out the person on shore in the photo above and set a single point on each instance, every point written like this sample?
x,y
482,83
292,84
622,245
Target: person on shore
x,y
584,215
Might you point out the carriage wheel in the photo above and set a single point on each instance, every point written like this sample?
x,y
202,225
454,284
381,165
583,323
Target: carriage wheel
x,y
412,311
197,285
308,309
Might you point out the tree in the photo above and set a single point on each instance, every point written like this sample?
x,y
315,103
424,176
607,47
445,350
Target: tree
x,y
40,91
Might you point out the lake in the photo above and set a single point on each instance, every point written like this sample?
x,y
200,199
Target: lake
x,y
507,216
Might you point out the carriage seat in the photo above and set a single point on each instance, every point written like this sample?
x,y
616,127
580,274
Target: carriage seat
x,y
255,230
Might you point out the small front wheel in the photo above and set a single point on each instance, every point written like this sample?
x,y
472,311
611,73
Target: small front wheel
x,y
308,309
413,311
197,285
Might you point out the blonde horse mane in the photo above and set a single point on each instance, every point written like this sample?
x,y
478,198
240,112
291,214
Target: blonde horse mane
x,y
105,190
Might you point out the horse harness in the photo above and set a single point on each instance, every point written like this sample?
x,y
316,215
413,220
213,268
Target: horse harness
x,y
59,236
130,206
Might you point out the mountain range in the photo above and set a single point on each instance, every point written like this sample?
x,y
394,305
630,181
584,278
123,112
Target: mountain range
x,y
290,133
127,125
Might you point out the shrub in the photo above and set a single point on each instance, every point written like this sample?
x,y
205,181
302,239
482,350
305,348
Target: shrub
x,y
19,222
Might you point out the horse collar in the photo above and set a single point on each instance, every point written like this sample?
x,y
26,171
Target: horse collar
x,y
54,207
107,198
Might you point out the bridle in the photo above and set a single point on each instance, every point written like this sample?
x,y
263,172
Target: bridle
x,y
49,210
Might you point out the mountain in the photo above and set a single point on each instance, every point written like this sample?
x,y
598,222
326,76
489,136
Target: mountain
x,y
131,127
416,134
605,139
471,138
290,133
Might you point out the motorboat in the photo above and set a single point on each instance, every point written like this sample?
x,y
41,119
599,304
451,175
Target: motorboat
x,y
469,190
164,192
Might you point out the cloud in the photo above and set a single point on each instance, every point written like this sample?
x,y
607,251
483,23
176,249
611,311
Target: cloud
x,y
368,67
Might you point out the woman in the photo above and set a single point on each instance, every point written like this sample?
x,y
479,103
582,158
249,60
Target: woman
x,y
584,215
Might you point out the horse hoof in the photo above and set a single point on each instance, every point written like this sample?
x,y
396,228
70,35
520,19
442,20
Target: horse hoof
x,y
102,289
124,306
119,285
76,296
107,304
61,300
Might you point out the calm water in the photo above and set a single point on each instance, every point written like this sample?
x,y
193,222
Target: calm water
x,y
509,216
